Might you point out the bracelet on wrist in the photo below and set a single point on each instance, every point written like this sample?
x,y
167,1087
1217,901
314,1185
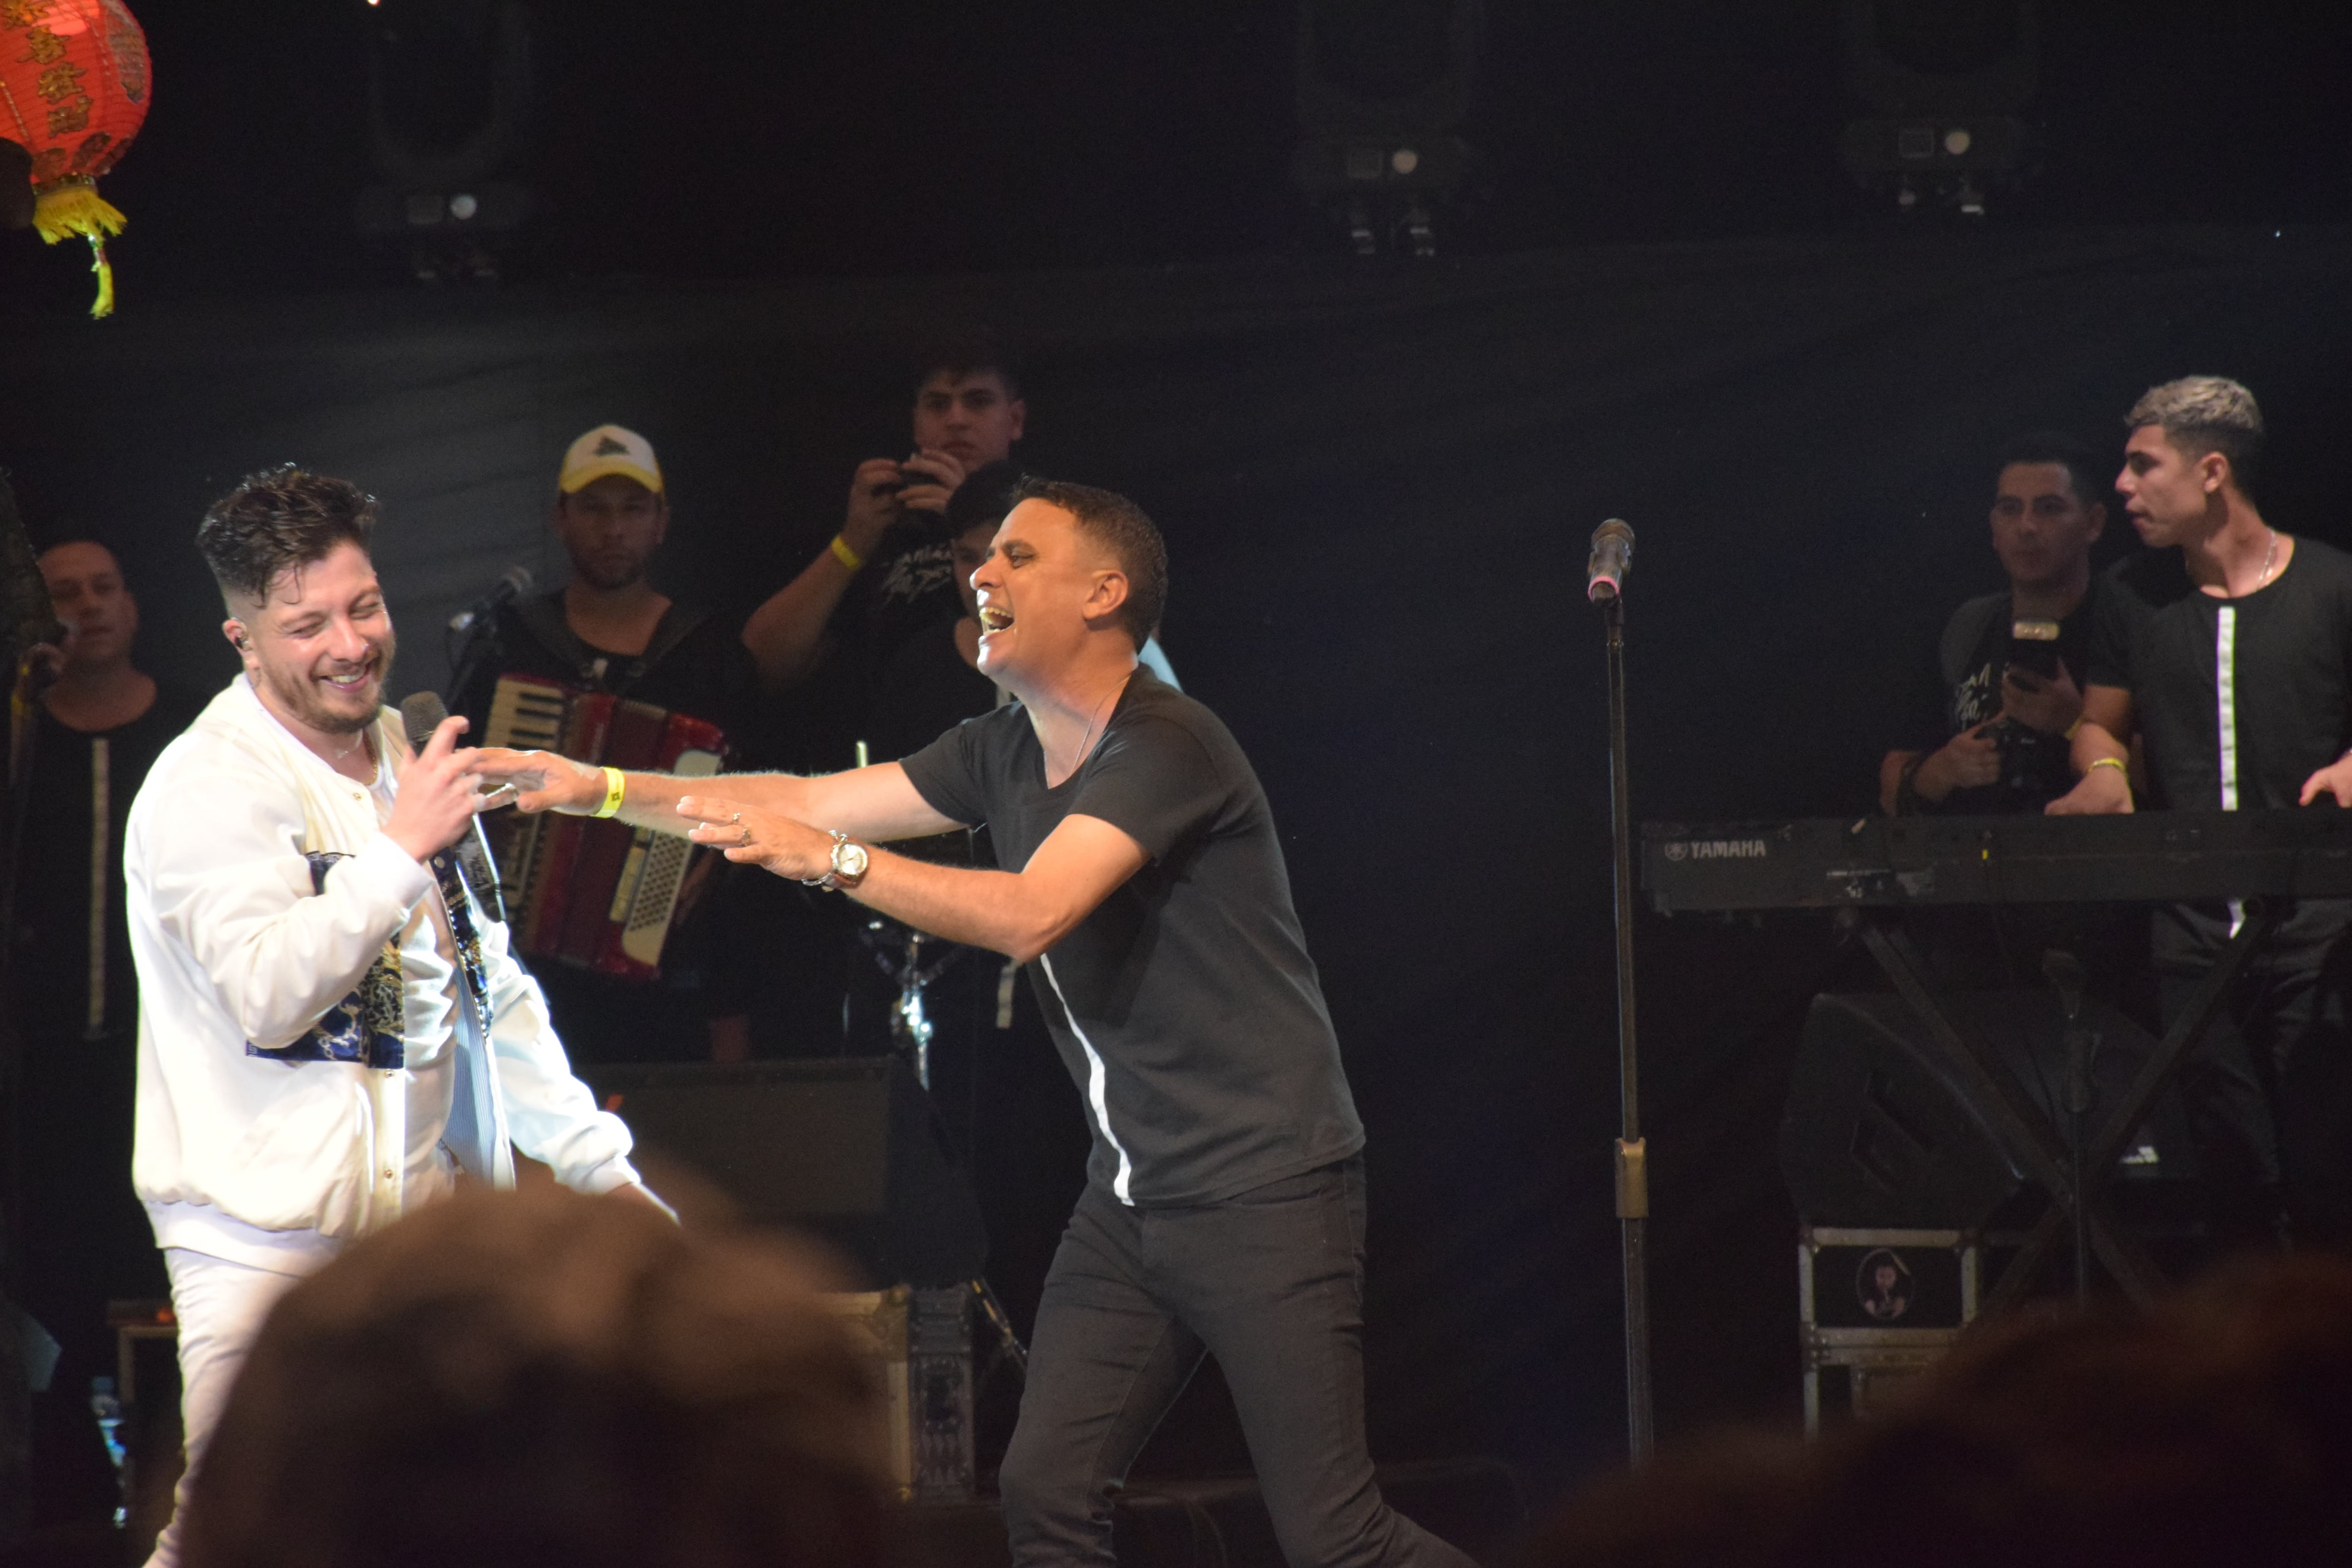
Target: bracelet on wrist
x,y
616,783
2115,762
845,555
1908,798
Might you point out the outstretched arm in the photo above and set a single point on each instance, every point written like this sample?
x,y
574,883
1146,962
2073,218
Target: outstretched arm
x,y
879,802
1018,913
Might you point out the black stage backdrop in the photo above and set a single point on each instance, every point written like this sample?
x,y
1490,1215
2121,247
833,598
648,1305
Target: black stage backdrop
x,y
1377,485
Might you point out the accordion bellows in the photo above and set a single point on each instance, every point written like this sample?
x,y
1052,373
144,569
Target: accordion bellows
x,y
593,894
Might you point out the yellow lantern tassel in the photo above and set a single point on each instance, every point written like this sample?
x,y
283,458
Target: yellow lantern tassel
x,y
75,207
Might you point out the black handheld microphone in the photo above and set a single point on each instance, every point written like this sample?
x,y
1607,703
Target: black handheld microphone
x,y
420,714
1612,557
512,584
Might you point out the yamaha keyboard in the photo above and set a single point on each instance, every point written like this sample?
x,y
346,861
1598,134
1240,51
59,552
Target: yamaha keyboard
x,y
1894,861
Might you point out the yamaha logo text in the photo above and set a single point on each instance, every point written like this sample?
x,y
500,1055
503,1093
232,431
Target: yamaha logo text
x,y
1718,850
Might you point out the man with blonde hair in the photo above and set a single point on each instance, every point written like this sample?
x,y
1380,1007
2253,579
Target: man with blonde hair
x,y
2227,650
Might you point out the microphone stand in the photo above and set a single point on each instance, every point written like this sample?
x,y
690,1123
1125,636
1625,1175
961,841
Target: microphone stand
x,y
1632,1151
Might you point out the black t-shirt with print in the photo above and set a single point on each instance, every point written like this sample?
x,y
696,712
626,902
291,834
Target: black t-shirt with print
x,y
908,587
1965,691
2287,647
1185,1005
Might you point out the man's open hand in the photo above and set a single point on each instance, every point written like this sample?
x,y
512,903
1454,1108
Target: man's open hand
x,y
542,780
2334,779
759,838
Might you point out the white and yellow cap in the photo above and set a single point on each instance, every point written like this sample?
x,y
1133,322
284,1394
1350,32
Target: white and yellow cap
x,y
605,450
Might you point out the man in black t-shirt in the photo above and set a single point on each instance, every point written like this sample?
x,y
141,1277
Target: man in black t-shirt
x,y
92,740
2228,650
1998,723
1223,1209
609,629
893,548
1994,714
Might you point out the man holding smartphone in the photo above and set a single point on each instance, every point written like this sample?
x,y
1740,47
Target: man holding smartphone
x,y
967,413
2008,685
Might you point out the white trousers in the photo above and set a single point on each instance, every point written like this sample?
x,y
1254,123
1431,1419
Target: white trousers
x,y
221,1307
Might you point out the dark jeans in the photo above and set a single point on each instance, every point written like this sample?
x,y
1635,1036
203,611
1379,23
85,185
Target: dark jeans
x,y
2268,1092
1271,1283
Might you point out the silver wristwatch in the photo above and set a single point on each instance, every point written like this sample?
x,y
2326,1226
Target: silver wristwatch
x,y
849,863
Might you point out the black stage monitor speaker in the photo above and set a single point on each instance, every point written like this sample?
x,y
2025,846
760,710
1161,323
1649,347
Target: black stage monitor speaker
x,y
846,1147
1877,1132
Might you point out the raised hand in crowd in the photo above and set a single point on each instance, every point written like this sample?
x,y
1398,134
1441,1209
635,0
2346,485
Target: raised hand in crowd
x,y
884,489
929,477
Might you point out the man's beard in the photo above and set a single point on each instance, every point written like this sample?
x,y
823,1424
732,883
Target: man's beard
x,y
302,698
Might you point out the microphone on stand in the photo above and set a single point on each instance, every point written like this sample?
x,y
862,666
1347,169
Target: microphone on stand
x,y
1612,557
512,584
420,714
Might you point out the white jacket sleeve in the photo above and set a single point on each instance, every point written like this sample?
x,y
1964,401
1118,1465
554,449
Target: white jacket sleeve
x,y
553,1116
233,887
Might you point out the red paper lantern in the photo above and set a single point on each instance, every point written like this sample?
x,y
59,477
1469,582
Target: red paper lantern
x,y
73,91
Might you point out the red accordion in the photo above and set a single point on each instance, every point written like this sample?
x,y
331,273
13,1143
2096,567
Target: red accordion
x,y
591,894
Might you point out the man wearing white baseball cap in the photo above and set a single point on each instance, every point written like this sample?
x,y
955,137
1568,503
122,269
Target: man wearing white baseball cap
x,y
609,629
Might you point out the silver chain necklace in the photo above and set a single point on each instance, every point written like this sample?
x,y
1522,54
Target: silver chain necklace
x,y
2270,560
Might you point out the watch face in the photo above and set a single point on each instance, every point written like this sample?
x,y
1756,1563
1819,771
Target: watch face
x,y
849,860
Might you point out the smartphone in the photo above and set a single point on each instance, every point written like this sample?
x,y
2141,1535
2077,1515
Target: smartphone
x,y
2034,646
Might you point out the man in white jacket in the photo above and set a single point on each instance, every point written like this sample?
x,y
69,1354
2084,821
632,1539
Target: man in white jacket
x,y
331,1033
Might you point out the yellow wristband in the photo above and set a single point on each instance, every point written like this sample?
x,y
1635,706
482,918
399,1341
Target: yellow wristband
x,y
615,782
2117,762
845,555
2074,726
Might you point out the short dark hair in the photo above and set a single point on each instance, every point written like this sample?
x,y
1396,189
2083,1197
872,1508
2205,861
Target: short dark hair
x,y
2084,474
1134,541
2201,414
547,1377
966,353
986,494
277,519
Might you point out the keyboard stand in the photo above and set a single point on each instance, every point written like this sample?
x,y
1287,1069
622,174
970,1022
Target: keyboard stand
x,y
2034,1141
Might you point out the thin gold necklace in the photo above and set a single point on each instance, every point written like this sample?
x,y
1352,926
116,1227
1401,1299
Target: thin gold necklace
x,y
1088,740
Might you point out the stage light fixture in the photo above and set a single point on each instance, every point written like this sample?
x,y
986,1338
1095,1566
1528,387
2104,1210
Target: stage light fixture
x,y
1384,86
448,88
1949,83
